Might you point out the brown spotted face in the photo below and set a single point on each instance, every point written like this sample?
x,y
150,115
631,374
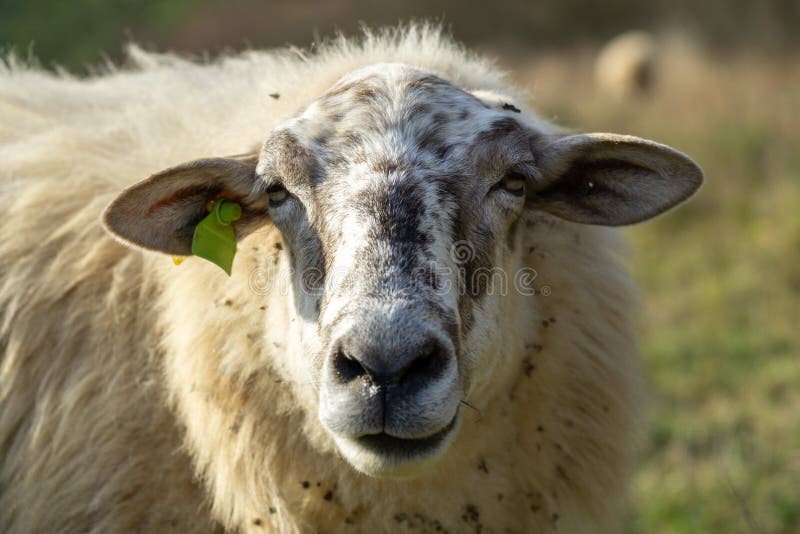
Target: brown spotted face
x,y
399,197
391,190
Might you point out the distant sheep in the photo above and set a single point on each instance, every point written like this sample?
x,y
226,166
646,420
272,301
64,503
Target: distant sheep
x,y
427,326
626,66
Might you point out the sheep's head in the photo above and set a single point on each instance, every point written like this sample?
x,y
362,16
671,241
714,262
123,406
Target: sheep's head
x,y
399,197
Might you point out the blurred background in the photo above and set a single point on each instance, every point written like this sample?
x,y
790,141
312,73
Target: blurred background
x,y
719,80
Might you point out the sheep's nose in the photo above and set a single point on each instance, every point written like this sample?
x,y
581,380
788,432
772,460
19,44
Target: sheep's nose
x,y
414,363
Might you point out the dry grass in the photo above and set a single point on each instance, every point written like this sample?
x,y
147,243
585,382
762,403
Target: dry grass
x,y
721,284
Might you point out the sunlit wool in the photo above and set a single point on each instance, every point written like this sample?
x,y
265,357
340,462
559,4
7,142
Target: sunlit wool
x,y
140,396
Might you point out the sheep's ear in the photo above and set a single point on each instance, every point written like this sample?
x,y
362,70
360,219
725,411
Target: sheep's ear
x,y
609,179
161,212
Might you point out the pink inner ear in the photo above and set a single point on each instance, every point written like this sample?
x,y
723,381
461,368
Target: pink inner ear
x,y
210,193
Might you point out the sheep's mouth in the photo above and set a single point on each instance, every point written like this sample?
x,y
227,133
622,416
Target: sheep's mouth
x,y
387,445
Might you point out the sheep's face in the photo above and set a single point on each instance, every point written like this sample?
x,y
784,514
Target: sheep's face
x,y
399,197
398,194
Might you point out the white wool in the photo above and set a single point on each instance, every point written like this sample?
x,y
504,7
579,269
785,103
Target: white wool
x,y
138,396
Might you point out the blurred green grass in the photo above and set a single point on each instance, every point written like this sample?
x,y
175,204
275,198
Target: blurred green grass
x,y
721,287
76,34
80,33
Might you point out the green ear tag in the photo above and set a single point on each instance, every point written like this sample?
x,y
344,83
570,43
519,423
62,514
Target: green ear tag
x,y
214,238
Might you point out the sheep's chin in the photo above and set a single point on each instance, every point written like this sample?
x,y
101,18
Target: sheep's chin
x,y
396,465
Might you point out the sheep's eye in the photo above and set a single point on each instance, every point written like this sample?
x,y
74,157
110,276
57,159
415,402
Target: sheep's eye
x,y
514,183
277,194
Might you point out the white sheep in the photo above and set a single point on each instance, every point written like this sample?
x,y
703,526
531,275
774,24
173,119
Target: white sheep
x,y
626,66
427,324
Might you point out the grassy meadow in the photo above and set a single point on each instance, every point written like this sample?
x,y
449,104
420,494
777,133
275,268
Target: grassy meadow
x,y
720,279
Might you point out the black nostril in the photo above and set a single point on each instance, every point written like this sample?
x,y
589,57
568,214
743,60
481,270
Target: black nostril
x,y
347,368
387,365
429,364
